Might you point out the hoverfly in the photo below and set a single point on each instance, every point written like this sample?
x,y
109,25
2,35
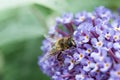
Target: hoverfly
x,y
60,45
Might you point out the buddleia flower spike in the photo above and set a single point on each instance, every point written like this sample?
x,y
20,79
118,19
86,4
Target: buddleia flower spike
x,y
86,47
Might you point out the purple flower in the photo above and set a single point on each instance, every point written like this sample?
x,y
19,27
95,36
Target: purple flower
x,y
80,17
96,54
88,48
117,54
103,13
97,42
116,25
65,19
115,73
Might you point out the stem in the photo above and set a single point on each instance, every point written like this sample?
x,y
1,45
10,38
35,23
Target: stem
x,y
66,75
113,56
69,27
94,34
61,32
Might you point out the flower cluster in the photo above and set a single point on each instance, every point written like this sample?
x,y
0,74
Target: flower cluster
x,y
97,52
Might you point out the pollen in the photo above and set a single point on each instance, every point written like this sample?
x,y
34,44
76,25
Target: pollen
x,y
99,43
118,73
86,37
97,70
116,37
106,64
117,29
88,62
81,55
88,50
107,36
82,18
83,75
72,61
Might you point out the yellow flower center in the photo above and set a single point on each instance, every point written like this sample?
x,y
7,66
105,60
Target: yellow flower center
x,y
82,18
117,29
88,62
106,64
86,37
107,36
81,55
72,61
116,37
99,43
88,50
118,73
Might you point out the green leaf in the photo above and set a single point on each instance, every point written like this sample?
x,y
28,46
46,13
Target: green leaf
x,y
1,62
87,5
21,62
77,5
60,5
9,4
45,10
56,5
1,65
24,25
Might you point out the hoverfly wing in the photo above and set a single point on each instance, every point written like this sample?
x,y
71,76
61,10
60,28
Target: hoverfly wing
x,y
45,57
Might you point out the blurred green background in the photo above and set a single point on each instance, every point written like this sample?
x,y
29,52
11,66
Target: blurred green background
x,y
22,26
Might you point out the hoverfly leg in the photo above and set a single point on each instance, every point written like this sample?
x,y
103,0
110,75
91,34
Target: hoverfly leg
x,y
60,58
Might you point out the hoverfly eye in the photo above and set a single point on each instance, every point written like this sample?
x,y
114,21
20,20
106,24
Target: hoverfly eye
x,y
70,43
